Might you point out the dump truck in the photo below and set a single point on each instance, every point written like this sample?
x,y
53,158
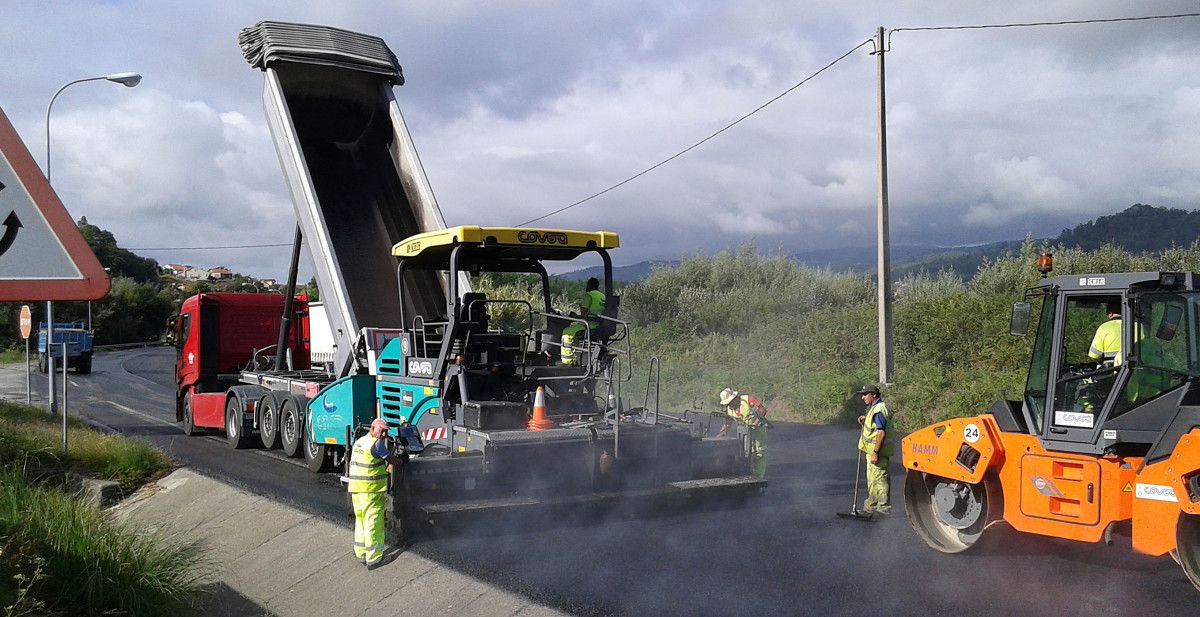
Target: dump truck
x,y
78,338
414,344
1106,439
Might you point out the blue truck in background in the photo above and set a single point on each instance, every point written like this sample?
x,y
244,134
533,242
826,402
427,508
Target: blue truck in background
x,y
79,346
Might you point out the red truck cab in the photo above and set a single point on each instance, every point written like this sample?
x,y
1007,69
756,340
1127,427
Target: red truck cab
x,y
217,335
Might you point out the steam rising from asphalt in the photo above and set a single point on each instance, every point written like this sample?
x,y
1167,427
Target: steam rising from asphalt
x,y
786,553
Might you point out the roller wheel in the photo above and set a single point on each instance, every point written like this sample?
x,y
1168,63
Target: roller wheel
x,y
291,426
235,429
84,366
948,514
1187,545
189,422
268,420
317,456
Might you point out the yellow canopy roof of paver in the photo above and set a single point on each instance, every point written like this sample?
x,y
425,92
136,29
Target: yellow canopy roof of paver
x,y
544,243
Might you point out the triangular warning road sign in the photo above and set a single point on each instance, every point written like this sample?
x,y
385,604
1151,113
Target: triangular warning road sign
x,y
42,254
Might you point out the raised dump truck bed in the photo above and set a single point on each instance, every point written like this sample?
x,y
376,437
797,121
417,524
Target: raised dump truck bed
x,y
355,178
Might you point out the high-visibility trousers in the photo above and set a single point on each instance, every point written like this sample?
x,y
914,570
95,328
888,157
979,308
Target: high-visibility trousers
x,y
879,486
368,526
758,451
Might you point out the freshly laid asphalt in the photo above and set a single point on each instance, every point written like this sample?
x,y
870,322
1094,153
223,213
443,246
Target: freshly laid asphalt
x,y
783,553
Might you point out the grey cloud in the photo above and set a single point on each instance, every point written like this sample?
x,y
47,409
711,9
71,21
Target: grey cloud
x,y
518,109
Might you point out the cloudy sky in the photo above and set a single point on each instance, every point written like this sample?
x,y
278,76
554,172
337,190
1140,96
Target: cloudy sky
x,y
521,107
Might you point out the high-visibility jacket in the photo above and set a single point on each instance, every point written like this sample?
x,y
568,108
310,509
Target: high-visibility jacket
x,y
742,411
866,442
1106,344
368,473
593,303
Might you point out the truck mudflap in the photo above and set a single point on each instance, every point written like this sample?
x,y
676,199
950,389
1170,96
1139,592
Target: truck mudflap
x,y
663,499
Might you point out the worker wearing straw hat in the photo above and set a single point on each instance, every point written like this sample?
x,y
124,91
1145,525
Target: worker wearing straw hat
x,y
750,412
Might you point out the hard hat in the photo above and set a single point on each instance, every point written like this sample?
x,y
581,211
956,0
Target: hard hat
x,y
869,390
727,395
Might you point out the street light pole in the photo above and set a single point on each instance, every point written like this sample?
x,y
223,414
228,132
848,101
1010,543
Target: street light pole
x,y
128,80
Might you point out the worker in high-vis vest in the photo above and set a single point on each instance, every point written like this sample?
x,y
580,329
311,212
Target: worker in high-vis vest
x,y
878,451
368,477
752,413
1106,344
590,305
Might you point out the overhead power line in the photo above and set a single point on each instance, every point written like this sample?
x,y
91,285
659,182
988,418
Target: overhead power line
x,y
1069,22
839,59
209,248
698,143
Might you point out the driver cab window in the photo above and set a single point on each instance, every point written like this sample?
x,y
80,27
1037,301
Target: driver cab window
x,y
183,324
1091,353
1162,343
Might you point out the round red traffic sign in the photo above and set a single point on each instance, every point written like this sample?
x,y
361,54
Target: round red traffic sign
x,y
26,321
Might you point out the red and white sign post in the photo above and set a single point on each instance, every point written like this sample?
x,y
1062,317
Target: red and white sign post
x,y
26,328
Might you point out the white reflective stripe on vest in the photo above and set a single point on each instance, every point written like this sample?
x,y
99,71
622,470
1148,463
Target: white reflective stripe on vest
x,y
375,479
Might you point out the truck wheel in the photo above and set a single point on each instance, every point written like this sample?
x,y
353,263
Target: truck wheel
x,y
1187,545
189,424
84,364
291,425
43,365
235,429
317,456
268,420
948,515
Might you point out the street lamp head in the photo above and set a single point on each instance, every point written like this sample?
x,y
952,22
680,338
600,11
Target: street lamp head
x,y
128,80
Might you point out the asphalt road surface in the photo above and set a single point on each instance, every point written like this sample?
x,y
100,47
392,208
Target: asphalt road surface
x,y
784,553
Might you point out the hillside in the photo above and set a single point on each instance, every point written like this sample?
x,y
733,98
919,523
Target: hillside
x,y
1137,229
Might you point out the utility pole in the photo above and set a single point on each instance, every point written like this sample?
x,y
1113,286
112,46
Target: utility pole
x,y
884,270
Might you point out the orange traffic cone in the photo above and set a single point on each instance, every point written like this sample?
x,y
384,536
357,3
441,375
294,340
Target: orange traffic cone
x,y
539,420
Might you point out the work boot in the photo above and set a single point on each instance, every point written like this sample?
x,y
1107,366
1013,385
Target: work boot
x,y
383,561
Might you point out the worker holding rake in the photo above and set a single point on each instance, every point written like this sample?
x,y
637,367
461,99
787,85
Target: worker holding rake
x,y
877,450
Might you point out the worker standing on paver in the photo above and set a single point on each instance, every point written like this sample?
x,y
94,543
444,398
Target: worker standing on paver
x,y
751,412
877,450
368,490
590,304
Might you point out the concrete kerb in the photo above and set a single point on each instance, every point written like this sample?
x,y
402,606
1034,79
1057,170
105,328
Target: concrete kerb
x,y
291,563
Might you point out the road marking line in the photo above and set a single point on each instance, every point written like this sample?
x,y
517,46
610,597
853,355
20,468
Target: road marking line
x,y
142,415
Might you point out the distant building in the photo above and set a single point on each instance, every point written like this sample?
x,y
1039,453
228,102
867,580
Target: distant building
x,y
196,274
175,269
220,273
269,282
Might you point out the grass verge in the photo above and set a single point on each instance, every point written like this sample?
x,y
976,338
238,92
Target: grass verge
x,y
62,556
31,438
16,355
